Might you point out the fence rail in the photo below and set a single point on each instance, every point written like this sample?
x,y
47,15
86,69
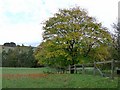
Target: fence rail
x,y
94,67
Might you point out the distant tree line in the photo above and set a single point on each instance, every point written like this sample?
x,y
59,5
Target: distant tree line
x,y
20,56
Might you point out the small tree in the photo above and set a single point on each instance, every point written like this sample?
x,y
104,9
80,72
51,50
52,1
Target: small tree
x,y
117,39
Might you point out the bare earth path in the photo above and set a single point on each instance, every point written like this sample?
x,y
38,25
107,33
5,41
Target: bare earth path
x,y
23,75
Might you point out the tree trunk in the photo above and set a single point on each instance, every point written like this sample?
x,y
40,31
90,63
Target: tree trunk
x,y
71,69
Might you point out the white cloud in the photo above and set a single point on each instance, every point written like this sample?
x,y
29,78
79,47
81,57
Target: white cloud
x,y
22,18
25,33
15,6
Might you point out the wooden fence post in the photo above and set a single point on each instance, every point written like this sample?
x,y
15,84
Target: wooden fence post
x,y
75,69
112,69
83,69
69,68
94,70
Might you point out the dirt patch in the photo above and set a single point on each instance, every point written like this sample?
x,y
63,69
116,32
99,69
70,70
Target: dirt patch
x,y
23,75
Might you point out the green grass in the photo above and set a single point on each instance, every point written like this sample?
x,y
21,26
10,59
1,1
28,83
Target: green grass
x,y
55,80
6,70
0,78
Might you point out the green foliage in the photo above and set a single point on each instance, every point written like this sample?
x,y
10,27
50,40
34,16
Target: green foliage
x,y
101,53
116,41
20,56
71,37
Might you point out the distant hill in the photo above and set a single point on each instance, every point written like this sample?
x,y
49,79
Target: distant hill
x,y
6,48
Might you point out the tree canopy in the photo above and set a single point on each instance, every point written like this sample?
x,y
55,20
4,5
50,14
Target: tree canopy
x,y
71,37
11,44
116,40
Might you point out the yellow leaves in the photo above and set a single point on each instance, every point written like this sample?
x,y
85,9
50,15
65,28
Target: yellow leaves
x,y
55,54
49,55
102,53
61,52
81,61
73,35
69,58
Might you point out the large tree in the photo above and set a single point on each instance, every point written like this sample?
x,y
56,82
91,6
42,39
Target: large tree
x,y
72,37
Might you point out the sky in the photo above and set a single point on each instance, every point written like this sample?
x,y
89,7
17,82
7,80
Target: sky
x,y
20,20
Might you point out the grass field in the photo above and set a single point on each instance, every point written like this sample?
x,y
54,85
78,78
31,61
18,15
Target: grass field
x,y
0,78
36,78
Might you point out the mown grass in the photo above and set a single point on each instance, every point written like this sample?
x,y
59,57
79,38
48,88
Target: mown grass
x,y
55,80
7,70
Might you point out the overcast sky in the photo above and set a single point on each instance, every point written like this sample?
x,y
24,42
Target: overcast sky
x,y
20,19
